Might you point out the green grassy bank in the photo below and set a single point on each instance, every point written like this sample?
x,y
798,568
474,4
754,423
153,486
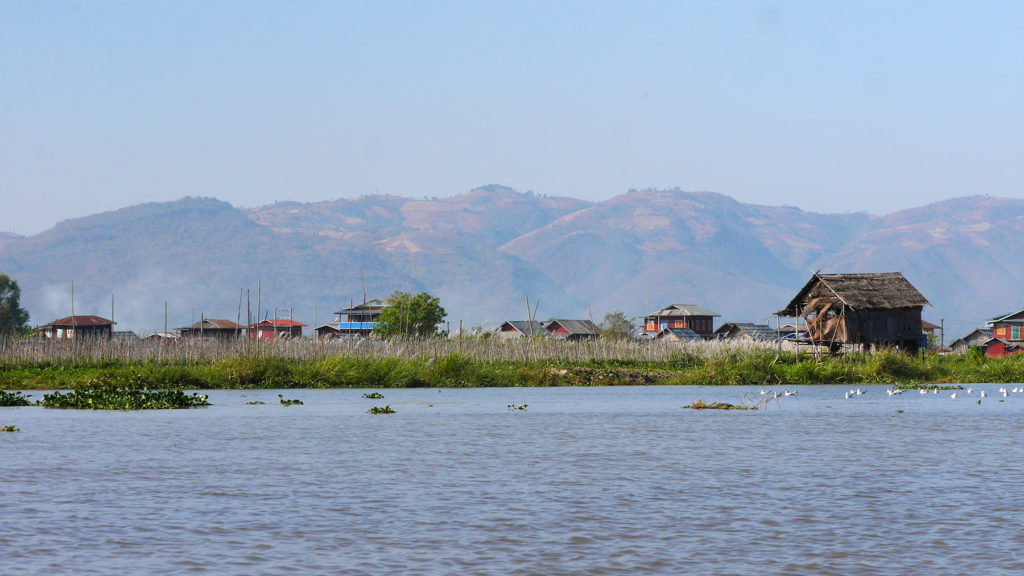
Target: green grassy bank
x,y
754,367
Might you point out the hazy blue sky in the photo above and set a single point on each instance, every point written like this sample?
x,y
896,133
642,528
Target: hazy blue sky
x,y
829,106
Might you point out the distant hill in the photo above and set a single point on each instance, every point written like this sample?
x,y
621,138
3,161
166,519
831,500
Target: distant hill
x,y
482,252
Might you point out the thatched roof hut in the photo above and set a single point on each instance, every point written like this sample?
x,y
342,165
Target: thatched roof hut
x,y
873,309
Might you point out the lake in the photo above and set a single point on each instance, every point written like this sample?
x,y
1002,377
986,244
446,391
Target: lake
x,y
583,481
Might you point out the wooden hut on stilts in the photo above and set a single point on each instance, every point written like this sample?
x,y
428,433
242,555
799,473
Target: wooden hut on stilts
x,y
867,310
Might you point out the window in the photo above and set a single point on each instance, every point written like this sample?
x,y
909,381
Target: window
x,y
1016,332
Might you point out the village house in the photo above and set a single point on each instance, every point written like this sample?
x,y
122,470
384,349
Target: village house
x,y
572,329
71,327
274,328
212,328
678,335
1007,326
355,321
689,316
882,309
932,332
976,337
791,331
160,337
746,331
511,329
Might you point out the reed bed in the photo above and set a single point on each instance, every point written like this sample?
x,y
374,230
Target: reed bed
x,y
449,362
190,350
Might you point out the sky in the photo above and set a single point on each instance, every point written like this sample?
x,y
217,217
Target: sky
x,y
827,106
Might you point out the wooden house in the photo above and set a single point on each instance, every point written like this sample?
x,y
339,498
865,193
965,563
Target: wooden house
x,y
1007,326
689,316
358,320
511,329
976,337
572,329
678,335
274,328
212,328
327,331
71,327
861,309
1000,348
160,337
746,331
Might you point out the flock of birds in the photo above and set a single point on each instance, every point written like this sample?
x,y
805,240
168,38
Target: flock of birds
x,y
854,392
897,391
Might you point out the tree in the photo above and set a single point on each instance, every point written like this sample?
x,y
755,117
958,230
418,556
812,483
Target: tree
x,y
13,318
410,315
616,326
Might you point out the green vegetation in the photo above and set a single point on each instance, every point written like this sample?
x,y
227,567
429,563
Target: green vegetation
x,y
517,407
287,402
473,362
409,315
381,410
13,318
107,395
616,325
10,428
373,395
13,399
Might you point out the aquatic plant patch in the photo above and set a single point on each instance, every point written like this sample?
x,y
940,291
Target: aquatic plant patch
x,y
10,428
13,399
109,396
373,395
289,402
381,410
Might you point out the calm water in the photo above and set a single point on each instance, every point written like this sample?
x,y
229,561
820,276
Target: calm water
x,y
584,481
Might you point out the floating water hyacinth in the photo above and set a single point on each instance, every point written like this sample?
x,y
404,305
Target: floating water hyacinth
x,y
13,399
100,395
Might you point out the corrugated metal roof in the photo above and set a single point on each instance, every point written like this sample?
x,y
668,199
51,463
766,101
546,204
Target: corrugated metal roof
x,y
576,327
684,310
279,322
681,334
760,332
80,321
523,327
213,324
369,306
1007,317
876,291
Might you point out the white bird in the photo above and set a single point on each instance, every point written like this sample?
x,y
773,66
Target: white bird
x,y
848,395
923,391
790,393
1004,393
1001,389
970,390
935,390
953,395
983,394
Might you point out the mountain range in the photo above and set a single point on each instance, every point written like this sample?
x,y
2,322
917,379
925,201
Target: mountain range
x,y
484,252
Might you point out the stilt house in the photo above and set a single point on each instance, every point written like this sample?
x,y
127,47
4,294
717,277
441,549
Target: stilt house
x,y
866,309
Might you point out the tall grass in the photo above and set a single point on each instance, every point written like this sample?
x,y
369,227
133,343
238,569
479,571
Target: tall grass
x,y
402,363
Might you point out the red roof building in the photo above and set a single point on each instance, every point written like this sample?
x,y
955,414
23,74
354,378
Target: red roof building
x,y
71,327
274,328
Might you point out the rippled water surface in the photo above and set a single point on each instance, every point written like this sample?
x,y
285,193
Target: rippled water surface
x,y
584,481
